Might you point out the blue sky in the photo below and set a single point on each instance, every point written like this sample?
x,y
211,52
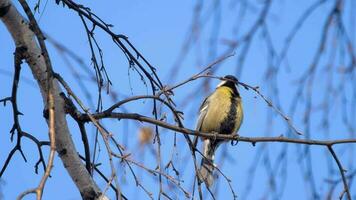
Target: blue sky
x,y
158,29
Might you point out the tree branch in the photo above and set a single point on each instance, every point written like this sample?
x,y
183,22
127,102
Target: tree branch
x,y
342,172
24,36
252,140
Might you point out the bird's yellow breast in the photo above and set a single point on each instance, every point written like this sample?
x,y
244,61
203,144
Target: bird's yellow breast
x,y
219,109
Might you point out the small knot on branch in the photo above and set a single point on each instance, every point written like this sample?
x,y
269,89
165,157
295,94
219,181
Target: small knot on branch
x,y
4,10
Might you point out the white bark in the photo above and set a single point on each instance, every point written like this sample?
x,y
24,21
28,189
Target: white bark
x,y
24,37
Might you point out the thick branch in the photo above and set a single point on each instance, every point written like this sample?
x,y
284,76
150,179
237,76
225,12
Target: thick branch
x,y
24,36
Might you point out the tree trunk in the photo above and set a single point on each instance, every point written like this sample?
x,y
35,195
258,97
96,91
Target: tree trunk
x,y
24,37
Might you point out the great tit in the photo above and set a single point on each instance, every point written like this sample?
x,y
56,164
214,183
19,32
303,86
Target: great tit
x,y
221,112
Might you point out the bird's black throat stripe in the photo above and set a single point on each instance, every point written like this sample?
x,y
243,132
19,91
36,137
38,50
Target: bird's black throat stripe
x,y
227,126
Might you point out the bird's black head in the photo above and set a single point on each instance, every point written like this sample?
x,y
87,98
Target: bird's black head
x,y
231,78
231,82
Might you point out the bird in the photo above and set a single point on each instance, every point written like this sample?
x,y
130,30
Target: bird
x,y
221,112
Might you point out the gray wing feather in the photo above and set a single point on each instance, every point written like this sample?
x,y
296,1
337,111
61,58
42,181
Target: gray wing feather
x,y
202,113
203,110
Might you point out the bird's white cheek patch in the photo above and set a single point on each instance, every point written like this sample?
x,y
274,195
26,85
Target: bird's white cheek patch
x,y
221,83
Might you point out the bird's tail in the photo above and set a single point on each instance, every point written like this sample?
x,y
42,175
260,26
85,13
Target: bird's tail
x,y
207,163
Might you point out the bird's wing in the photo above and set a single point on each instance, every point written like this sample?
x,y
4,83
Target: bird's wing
x,y
202,112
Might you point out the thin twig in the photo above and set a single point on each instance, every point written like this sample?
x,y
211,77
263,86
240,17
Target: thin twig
x,y
342,172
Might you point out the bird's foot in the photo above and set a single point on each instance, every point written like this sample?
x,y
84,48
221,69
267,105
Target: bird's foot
x,y
234,141
215,136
